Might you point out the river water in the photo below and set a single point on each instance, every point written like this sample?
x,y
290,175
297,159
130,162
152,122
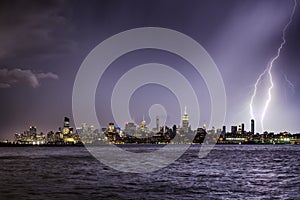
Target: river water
x,y
228,172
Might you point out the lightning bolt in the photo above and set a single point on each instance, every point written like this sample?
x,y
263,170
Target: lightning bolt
x,y
268,71
291,85
254,92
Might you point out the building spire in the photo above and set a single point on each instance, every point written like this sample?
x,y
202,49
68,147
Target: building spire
x,y
185,115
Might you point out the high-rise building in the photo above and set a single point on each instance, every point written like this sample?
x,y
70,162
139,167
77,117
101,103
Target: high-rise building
x,y
224,130
239,129
252,126
185,129
157,124
130,128
213,130
111,127
32,130
66,128
30,137
185,120
66,122
84,127
204,127
234,129
142,130
243,128
143,123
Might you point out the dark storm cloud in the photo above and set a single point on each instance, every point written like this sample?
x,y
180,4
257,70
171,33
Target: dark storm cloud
x,y
33,28
8,78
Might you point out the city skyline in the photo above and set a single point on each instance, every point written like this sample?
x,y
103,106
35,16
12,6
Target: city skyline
x,y
233,128
133,133
44,44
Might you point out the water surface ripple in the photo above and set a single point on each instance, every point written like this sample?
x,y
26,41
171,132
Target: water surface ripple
x,y
228,172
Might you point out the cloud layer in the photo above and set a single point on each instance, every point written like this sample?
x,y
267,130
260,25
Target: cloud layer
x,y
34,28
10,77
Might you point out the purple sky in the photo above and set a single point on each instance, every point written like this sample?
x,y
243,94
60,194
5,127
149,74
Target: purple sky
x,y
43,43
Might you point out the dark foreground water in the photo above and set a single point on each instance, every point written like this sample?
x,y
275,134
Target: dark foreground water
x,y
228,172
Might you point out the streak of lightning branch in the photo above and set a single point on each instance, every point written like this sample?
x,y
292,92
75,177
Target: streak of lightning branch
x,y
268,71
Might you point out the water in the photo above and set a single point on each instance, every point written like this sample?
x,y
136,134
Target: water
x,y
228,172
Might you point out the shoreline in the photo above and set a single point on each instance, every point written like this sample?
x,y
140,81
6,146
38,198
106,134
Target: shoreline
x,y
126,144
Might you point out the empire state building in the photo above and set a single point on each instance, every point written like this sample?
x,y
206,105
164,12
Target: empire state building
x,y
185,121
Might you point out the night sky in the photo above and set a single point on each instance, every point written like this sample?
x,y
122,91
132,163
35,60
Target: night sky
x,y
43,43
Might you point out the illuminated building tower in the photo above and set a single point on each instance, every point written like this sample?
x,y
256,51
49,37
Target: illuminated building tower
x,y
143,123
32,131
240,129
130,128
66,128
204,127
111,127
111,132
252,126
143,130
67,133
185,130
185,121
66,122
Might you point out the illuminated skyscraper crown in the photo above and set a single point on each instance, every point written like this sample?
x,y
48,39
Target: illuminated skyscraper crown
x,y
185,117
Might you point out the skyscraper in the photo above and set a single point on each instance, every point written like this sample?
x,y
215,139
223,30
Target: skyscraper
x,y
234,129
185,120
252,126
111,127
224,130
143,123
66,128
66,122
130,128
239,131
243,128
143,130
157,123
204,127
